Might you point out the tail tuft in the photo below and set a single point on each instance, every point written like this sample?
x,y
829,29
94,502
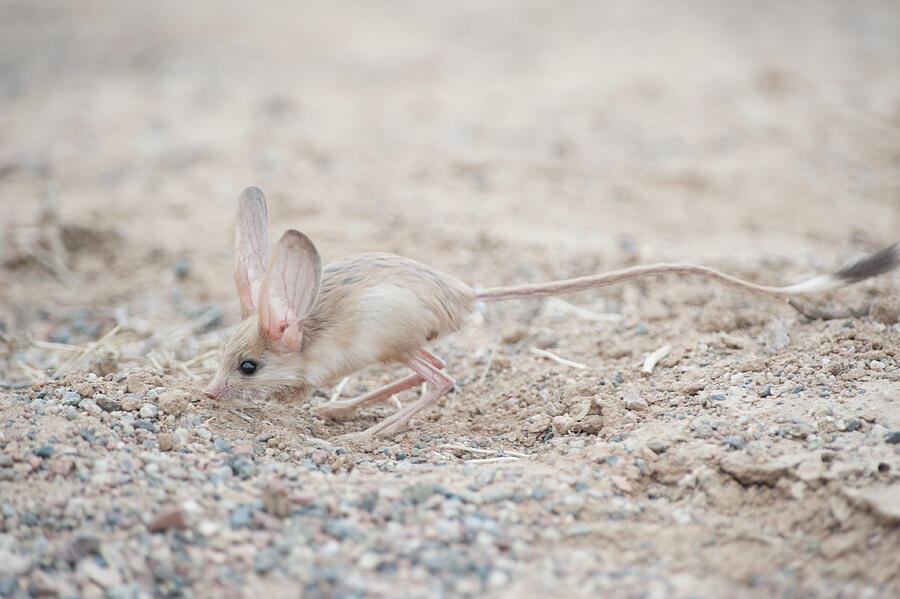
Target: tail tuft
x,y
878,263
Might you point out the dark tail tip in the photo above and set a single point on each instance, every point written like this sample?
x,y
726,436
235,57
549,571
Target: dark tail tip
x,y
878,263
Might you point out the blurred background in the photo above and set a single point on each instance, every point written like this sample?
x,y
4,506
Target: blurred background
x,y
500,141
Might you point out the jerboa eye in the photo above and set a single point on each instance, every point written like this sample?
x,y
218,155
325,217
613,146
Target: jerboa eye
x,y
248,367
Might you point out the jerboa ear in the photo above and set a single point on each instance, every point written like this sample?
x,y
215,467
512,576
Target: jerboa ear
x,y
289,289
251,248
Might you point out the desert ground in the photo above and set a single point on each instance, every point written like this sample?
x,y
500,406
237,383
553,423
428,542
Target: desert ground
x,y
504,143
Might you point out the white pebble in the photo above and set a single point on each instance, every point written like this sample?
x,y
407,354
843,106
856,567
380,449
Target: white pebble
x,y
180,437
207,528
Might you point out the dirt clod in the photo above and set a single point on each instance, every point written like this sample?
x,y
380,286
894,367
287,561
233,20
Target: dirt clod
x,y
168,519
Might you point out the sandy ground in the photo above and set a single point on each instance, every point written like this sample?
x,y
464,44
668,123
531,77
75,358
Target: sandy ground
x,y
503,142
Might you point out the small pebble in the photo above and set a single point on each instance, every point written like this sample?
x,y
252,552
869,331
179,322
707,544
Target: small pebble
x,y
513,334
276,499
133,384
642,465
173,402
634,402
145,424
107,404
241,516
369,560
203,433
221,445
319,457
657,446
242,466
703,431
735,441
540,493
84,389
178,473
130,404
892,437
61,465
44,451
341,528
180,436
780,335
71,399
165,441
851,425
182,266
149,411
265,560
499,492
765,391
167,520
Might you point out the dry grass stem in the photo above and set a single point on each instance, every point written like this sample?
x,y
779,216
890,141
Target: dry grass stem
x,y
501,452
339,388
653,359
551,356
487,368
491,460
241,415
200,358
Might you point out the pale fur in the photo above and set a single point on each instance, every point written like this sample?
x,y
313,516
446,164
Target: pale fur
x,y
371,308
